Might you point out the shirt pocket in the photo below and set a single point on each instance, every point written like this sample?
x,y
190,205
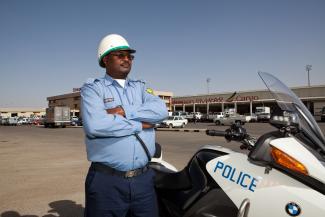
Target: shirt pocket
x,y
109,99
135,96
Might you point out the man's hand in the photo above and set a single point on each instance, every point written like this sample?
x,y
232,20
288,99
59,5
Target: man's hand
x,y
147,125
116,110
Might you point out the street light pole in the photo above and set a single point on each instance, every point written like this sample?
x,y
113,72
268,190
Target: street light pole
x,y
208,81
308,68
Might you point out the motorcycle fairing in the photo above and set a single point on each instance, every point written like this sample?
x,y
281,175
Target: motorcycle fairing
x,y
265,189
293,148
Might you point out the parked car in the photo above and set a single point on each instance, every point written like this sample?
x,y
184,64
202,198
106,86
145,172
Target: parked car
x,y
23,121
263,113
3,120
37,121
230,119
182,114
191,116
74,118
174,121
20,121
251,117
178,113
230,111
204,118
216,116
75,121
10,121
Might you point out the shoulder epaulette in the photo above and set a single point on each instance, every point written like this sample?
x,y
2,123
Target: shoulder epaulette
x,y
137,80
91,80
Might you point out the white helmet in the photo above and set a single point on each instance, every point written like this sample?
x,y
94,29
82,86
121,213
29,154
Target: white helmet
x,y
110,43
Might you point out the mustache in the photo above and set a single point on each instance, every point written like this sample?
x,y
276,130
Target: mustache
x,y
125,64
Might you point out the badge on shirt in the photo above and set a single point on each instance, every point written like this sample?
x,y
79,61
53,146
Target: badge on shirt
x,y
150,91
108,100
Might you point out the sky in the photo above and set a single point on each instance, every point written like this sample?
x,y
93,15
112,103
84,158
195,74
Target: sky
x,y
47,48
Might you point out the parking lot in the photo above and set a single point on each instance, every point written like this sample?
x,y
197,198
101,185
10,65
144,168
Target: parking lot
x,y
43,170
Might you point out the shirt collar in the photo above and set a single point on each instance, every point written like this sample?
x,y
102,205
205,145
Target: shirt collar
x,y
108,80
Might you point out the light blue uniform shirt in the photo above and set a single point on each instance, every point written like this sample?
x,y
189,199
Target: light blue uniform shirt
x,y
110,138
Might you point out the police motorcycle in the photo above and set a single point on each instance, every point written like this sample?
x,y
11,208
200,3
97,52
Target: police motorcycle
x,y
282,175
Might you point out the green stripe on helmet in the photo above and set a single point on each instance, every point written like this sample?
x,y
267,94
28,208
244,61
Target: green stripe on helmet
x,y
112,49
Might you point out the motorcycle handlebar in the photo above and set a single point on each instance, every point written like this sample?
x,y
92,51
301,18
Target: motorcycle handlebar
x,y
235,133
215,133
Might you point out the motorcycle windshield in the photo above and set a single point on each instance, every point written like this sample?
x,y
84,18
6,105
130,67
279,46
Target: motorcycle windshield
x,y
288,101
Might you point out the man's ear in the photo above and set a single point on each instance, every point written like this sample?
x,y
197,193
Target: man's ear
x,y
105,60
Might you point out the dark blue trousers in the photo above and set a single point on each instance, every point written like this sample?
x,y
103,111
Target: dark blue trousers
x,y
109,195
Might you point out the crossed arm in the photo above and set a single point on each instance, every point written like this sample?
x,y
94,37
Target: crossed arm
x,y
120,111
119,121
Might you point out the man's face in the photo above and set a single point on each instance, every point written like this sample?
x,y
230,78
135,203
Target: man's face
x,y
118,63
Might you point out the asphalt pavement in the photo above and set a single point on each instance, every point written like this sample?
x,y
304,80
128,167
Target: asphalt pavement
x,y
43,170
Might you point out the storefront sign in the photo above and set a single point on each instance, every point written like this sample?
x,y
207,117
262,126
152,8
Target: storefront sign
x,y
219,99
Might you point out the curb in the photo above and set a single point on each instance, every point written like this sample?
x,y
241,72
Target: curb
x,y
181,130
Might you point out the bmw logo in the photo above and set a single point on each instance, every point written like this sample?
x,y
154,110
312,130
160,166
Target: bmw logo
x,y
293,209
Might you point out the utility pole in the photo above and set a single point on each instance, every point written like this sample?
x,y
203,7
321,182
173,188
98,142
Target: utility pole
x,y
308,68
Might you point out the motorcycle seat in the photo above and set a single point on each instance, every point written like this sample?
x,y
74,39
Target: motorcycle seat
x,y
170,180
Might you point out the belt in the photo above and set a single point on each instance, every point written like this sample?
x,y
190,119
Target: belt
x,y
125,174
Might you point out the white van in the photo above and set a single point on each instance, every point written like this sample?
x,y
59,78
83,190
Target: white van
x,y
263,113
11,121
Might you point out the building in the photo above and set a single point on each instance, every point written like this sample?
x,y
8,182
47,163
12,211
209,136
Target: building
x,y
22,112
246,101
166,97
72,100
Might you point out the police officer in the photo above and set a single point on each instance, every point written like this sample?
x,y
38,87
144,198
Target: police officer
x,y
118,115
